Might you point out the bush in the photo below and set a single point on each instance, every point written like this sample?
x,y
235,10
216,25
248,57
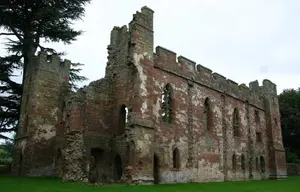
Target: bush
x,y
5,161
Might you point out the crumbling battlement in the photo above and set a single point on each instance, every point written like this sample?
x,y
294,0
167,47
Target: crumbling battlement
x,y
50,63
183,67
188,69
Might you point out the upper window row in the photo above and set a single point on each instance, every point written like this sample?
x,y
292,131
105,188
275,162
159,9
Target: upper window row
x,y
167,102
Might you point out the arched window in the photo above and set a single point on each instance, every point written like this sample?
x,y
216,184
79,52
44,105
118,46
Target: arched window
x,y
122,119
176,158
258,136
234,162
257,125
167,104
256,117
257,163
243,161
207,115
235,122
262,164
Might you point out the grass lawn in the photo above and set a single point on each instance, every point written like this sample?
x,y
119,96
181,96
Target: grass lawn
x,y
11,184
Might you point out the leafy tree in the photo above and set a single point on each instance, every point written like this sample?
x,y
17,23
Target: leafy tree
x,y
28,25
289,102
8,146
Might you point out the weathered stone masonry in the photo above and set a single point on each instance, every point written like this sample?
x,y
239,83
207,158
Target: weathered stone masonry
x,y
122,128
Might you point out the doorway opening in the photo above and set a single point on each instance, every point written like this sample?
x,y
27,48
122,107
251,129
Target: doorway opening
x,y
156,169
118,167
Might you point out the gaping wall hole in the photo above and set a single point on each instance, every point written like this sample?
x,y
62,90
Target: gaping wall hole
x,y
97,153
96,157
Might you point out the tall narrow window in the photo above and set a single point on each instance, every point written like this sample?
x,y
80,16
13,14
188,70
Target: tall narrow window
x,y
258,137
176,158
257,125
262,164
243,161
235,122
122,120
257,163
257,118
207,120
167,104
234,162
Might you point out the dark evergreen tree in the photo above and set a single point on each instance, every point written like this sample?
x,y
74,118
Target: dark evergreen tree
x,y
28,25
289,104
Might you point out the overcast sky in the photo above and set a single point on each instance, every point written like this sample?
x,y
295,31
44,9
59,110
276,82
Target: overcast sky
x,y
243,40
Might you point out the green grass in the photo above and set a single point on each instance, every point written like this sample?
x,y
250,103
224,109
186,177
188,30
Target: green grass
x,y
12,184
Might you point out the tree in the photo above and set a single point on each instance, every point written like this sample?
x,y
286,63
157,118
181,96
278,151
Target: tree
x,y
8,146
28,25
289,103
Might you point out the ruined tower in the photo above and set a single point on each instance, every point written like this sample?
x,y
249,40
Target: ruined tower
x,y
45,86
130,58
277,158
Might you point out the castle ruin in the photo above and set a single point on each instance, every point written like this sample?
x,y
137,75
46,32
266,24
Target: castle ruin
x,y
153,118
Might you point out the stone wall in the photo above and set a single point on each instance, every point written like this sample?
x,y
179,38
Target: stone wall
x,y
204,156
112,130
293,169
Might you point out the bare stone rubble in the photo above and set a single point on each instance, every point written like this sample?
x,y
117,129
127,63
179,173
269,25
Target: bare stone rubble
x,y
73,168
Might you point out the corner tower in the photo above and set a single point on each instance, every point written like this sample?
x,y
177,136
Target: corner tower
x,y
141,121
44,87
277,158
130,60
